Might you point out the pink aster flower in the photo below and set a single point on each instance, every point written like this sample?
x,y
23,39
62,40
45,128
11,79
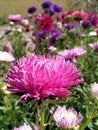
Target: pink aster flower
x,y
67,118
15,18
45,22
71,54
42,76
94,45
6,57
80,14
94,89
26,127
52,48
67,54
78,50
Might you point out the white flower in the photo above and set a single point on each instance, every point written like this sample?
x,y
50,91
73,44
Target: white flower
x,y
94,89
5,56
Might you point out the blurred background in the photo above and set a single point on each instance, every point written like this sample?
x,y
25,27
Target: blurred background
x,y
20,6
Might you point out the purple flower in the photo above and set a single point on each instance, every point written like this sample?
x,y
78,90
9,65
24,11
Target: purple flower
x,y
67,118
32,9
37,77
94,45
46,4
86,23
40,34
74,27
54,34
58,8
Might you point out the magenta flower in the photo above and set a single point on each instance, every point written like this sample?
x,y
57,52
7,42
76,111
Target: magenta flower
x,y
26,127
94,45
80,14
42,76
94,89
67,118
15,18
45,22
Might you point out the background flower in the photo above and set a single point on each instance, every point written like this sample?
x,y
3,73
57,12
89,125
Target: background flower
x,y
5,56
15,17
32,9
45,22
94,89
26,127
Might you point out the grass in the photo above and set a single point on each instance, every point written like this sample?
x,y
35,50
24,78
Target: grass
x,y
20,7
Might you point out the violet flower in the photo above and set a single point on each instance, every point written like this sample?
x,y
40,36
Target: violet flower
x,y
46,4
54,34
58,8
32,9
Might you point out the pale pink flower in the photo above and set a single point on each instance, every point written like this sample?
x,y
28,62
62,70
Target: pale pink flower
x,y
42,76
25,21
26,127
52,48
94,45
71,54
67,54
6,57
94,89
78,50
67,118
15,18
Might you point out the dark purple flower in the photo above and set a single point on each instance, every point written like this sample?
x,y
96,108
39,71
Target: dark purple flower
x,y
54,34
74,27
46,4
58,8
41,34
86,23
32,9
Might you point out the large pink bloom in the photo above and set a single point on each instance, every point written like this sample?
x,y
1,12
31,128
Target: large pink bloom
x,y
41,76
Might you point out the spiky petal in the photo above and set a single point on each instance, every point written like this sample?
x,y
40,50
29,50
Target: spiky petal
x,y
42,76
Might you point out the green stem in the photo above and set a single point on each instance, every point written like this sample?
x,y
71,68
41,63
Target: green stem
x,y
84,124
42,126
